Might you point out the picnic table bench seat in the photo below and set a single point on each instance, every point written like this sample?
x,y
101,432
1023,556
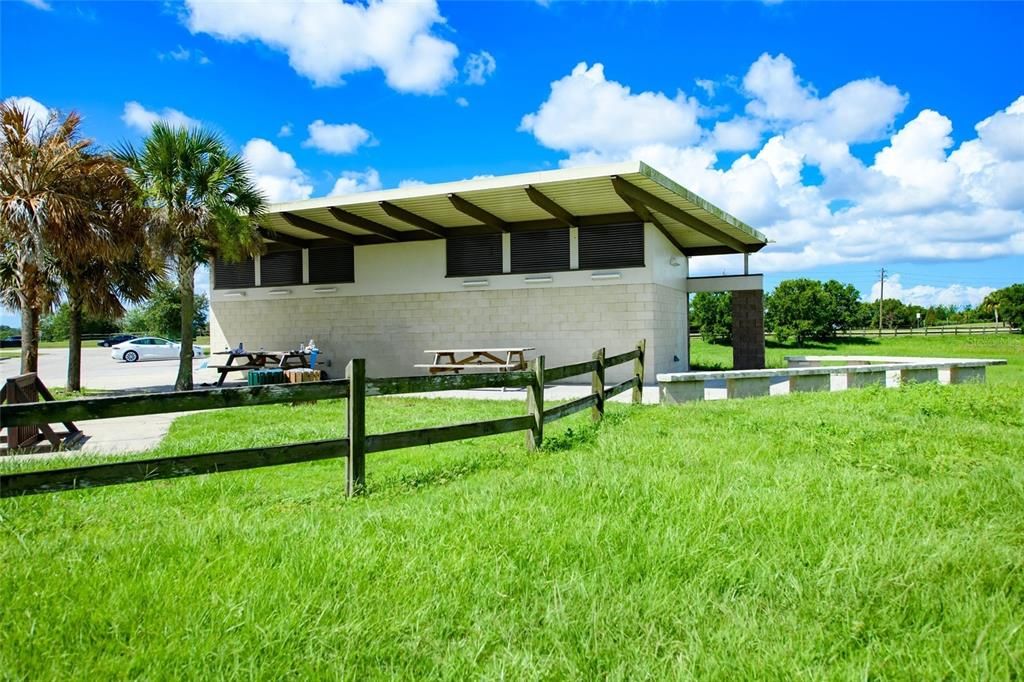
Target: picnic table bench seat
x,y
487,365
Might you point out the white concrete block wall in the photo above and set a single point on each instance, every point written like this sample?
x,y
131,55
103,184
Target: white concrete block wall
x,y
401,304
392,331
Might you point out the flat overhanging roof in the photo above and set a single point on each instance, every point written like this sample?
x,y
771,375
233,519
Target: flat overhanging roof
x,y
577,197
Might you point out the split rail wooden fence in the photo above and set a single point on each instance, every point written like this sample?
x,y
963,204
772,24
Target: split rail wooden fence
x,y
356,387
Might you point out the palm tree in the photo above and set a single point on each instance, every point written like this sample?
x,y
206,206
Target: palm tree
x,y
43,168
206,204
118,266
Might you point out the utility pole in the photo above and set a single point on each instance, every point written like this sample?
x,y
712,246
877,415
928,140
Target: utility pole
x,y
881,298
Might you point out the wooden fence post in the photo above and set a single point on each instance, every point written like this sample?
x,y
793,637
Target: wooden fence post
x,y
355,478
597,385
638,371
535,405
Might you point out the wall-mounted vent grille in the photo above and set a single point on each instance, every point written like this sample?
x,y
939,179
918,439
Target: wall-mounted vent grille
x,y
332,265
234,275
544,251
612,246
469,256
281,267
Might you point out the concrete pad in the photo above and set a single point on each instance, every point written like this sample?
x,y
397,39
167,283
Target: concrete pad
x,y
918,375
674,392
803,383
965,375
864,379
750,387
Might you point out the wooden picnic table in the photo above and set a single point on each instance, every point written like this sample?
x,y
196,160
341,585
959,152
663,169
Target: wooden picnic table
x,y
259,359
457,359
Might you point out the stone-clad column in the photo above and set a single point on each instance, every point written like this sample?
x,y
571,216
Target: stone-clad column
x,y
748,329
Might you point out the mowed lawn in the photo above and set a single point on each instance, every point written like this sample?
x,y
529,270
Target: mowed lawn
x,y
865,534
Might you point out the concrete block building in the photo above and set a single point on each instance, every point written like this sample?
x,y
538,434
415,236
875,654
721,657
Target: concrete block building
x,y
565,261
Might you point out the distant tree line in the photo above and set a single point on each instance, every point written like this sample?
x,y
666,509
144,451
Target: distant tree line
x,y
811,310
158,315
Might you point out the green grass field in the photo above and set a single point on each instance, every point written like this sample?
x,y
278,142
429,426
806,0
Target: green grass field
x,y
865,534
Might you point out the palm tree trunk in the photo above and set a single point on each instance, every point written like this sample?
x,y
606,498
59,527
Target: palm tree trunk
x,y
74,382
29,342
186,284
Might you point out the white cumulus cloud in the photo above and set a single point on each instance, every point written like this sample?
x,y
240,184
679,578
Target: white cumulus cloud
x,y
328,39
927,295
38,112
586,111
336,138
142,119
352,182
805,179
275,172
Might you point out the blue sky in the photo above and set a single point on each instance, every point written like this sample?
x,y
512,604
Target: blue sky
x,y
845,132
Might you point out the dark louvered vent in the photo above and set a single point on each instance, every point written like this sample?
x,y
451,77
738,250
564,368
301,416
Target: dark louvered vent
x,y
332,265
234,275
612,246
468,256
281,267
544,251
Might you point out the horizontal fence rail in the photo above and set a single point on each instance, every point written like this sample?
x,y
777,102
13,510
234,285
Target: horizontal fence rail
x,y
565,409
93,476
446,382
83,409
356,387
444,434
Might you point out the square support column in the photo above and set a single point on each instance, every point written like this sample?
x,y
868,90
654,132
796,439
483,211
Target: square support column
x,y
748,329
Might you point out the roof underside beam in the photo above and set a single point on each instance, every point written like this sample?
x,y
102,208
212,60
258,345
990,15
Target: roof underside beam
x,y
282,238
362,223
649,217
319,228
550,206
474,211
436,231
630,192
408,217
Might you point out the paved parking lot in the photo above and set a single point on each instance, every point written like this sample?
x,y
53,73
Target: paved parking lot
x,y
101,372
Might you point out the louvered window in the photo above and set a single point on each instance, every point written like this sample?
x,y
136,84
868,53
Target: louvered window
x,y
612,246
281,267
543,251
478,255
332,265
234,275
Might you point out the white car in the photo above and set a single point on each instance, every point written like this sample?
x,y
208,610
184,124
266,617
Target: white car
x,y
149,348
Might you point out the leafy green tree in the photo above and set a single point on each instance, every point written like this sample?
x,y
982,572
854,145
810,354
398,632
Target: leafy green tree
x,y
895,314
160,314
57,325
206,203
711,313
844,309
1010,304
800,309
